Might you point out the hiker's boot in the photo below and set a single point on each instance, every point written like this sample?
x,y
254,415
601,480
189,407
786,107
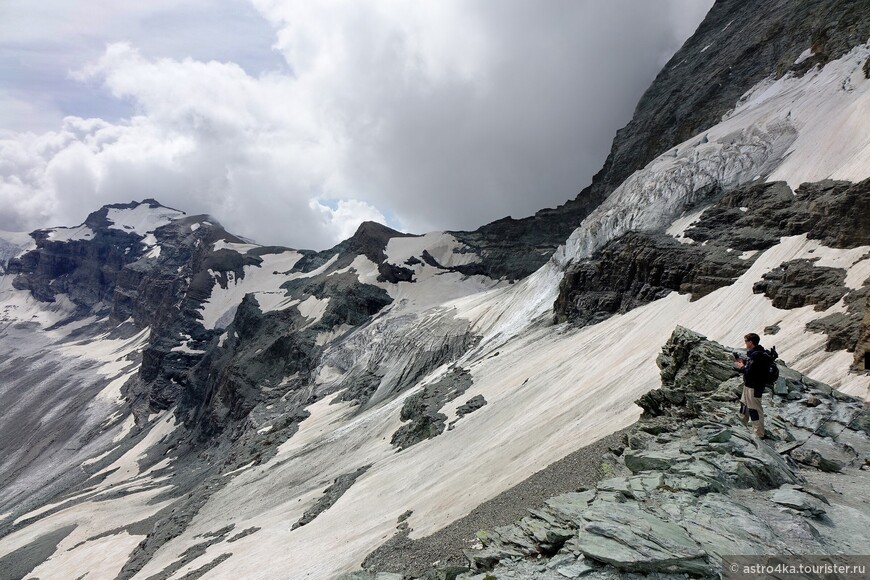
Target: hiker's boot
x,y
759,429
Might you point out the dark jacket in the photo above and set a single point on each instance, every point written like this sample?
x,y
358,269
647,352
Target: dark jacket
x,y
755,369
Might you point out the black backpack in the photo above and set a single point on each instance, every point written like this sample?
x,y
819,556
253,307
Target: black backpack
x,y
772,371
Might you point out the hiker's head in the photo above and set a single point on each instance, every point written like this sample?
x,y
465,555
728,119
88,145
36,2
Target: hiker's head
x,y
751,340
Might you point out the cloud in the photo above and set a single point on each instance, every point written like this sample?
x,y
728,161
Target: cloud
x,y
443,114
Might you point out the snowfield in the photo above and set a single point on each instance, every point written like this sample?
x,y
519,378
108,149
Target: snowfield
x,y
263,281
142,219
550,391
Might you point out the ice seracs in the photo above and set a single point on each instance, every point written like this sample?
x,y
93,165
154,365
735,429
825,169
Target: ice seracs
x,y
795,129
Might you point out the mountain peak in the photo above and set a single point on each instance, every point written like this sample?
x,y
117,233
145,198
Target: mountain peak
x,y
371,239
137,217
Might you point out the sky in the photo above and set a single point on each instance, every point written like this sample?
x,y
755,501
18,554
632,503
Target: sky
x,y
292,121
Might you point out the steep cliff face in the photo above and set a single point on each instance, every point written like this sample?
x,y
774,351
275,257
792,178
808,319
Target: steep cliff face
x,y
738,45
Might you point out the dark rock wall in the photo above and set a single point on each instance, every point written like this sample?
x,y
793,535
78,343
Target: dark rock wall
x,y
85,270
227,383
748,40
639,268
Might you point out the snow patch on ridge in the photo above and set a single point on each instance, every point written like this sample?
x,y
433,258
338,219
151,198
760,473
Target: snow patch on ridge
x,y
446,249
72,234
240,248
142,219
264,281
185,346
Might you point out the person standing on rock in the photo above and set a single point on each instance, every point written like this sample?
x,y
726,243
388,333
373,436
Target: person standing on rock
x,y
754,371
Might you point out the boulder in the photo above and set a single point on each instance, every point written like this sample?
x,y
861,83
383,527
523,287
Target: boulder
x,y
638,461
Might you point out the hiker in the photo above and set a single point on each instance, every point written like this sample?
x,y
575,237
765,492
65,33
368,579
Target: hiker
x,y
754,369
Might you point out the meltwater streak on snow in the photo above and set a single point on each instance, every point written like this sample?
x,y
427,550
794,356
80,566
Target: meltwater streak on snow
x,y
793,129
126,468
65,375
142,219
548,393
81,554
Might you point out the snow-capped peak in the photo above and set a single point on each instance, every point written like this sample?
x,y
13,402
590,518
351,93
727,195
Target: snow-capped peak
x,y
141,218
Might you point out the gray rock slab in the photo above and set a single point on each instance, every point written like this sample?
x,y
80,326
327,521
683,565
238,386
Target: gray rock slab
x,y
796,499
629,538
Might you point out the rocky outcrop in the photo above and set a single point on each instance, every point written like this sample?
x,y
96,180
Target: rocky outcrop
x,y
250,369
754,217
331,494
639,268
470,406
422,410
693,485
800,282
350,301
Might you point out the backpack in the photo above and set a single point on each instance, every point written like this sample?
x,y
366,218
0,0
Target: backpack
x,y
772,371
